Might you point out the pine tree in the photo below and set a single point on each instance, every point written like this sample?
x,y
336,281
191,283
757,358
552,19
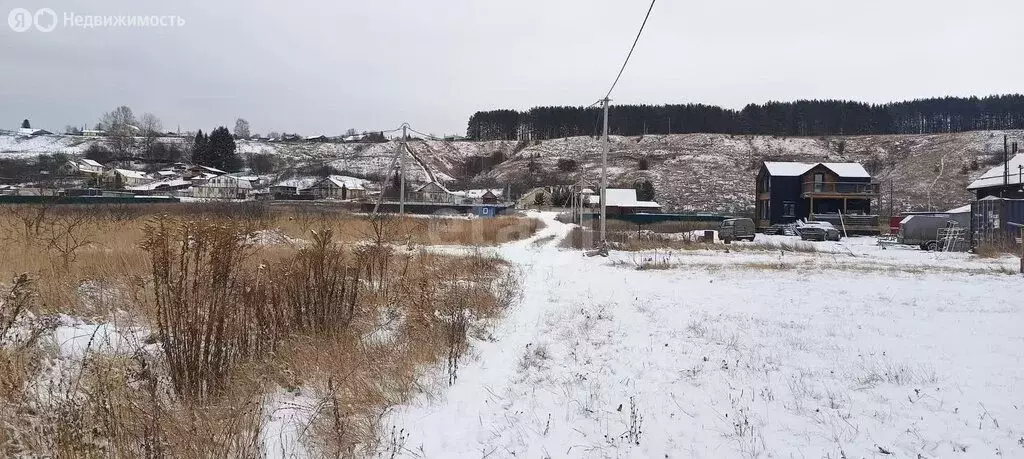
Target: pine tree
x,y
200,150
26,125
221,146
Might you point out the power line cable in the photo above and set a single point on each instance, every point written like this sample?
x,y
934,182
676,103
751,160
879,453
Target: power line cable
x,y
635,41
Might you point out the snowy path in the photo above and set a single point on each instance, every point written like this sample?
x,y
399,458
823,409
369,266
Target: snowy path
x,y
605,361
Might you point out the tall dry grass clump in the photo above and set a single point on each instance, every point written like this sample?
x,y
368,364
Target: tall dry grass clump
x,y
200,289
318,287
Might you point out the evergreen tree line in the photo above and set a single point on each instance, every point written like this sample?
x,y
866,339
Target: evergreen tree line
x,y
800,118
216,149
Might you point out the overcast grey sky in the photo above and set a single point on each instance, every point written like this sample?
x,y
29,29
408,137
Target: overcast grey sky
x,y
324,67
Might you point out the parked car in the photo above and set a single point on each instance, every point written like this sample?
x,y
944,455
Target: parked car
x,y
737,229
818,231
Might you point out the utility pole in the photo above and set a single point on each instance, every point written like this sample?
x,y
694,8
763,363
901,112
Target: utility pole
x,y
401,161
604,174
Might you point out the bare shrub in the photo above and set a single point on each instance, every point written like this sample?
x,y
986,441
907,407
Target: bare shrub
x,y
199,287
317,287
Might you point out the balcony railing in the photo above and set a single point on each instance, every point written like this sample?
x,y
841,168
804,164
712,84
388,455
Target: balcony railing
x,y
844,188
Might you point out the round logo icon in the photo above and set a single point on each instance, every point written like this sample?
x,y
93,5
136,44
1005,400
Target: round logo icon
x,y
45,19
20,19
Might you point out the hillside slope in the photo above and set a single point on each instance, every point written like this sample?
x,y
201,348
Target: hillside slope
x,y
690,172
715,172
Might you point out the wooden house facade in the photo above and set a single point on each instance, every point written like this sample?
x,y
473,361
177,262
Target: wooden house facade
x,y
791,191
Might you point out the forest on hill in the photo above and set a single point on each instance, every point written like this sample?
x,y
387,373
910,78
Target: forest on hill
x,y
799,118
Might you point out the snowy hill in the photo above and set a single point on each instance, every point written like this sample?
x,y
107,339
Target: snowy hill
x,y
690,172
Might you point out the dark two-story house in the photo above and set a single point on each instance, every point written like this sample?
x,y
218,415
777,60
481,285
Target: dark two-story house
x,y
839,193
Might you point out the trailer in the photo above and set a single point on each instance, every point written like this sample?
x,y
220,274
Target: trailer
x,y
933,232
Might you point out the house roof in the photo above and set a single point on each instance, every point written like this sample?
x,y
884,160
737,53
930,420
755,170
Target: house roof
x,y
30,131
477,194
851,170
351,183
298,182
131,174
796,169
89,162
210,169
994,176
438,185
622,197
170,183
960,210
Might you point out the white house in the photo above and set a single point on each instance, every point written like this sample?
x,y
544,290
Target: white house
x,y
121,178
82,166
223,187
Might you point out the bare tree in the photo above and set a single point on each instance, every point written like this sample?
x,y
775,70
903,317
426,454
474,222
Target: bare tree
x,y
68,233
241,129
120,126
151,129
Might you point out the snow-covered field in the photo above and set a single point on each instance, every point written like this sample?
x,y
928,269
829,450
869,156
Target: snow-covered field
x,y
854,351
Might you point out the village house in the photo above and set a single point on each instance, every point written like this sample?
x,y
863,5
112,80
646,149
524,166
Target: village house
x,y
84,166
223,187
165,186
432,192
33,132
623,201
122,178
839,193
338,187
481,196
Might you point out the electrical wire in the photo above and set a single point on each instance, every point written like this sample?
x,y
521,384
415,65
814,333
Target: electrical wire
x,y
631,50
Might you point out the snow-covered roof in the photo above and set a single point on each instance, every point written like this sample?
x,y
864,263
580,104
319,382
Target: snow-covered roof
x,y
960,210
851,170
994,176
623,197
30,131
172,183
425,185
298,182
131,174
796,169
210,169
166,173
89,162
351,183
477,194
787,169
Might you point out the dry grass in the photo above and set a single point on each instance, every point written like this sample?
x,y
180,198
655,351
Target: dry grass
x,y
355,326
997,250
580,238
